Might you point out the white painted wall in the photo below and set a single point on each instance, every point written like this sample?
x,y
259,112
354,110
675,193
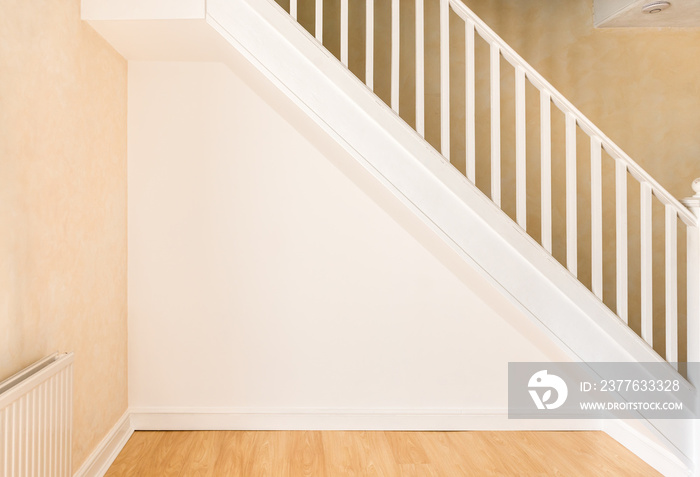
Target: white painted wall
x,y
269,271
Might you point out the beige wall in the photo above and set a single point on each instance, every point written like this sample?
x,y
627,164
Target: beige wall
x,y
63,206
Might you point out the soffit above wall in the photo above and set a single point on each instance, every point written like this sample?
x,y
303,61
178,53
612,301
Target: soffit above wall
x,y
142,10
628,13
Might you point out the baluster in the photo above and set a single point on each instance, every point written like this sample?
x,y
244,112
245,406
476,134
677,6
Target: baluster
x,y
496,124
520,149
420,68
344,31
671,242
369,44
645,222
621,239
395,52
470,119
318,29
596,218
293,8
445,78
571,216
546,168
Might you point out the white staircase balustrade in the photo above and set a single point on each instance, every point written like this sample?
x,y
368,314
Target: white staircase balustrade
x,y
625,168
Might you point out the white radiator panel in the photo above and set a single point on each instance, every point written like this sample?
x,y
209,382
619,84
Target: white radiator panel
x,y
36,407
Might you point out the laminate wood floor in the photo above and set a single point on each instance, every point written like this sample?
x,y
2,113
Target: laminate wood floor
x,y
375,453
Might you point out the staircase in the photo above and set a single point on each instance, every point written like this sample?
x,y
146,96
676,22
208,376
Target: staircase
x,y
601,153
542,239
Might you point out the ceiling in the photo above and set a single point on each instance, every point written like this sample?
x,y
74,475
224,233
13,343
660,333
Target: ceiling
x,y
628,13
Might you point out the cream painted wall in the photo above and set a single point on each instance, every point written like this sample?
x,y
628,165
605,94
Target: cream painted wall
x,y
63,206
268,270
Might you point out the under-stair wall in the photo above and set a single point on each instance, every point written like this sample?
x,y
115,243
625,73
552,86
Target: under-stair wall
x,y
286,286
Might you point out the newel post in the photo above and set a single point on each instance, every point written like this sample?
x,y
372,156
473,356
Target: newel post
x,y
693,204
693,291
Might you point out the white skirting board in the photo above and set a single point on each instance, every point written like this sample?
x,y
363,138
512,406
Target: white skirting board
x,y
344,419
98,462
150,419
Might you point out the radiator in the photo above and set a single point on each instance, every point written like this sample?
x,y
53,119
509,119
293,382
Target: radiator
x,y
36,407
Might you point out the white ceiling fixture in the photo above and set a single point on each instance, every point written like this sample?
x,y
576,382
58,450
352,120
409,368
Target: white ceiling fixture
x,y
655,7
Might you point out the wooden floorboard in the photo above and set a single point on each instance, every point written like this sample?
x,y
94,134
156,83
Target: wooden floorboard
x,y
375,453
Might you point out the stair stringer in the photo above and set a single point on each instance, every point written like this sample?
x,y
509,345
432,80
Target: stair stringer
x,y
441,196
